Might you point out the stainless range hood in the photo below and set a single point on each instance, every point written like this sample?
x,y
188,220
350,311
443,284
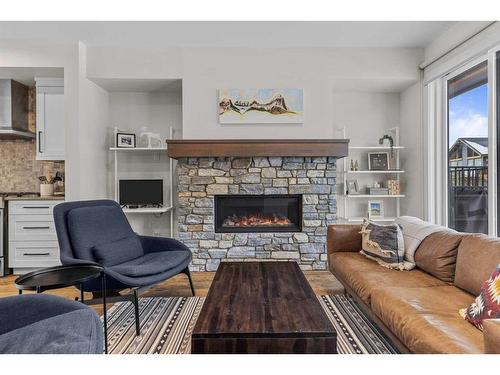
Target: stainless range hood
x,y
14,110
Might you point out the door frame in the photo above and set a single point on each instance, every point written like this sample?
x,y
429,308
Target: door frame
x,y
493,140
443,144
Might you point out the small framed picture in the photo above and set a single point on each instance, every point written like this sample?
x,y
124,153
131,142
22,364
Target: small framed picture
x,y
378,161
375,209
125,140
352,187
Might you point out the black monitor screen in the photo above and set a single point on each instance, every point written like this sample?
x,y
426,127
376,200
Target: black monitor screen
x,y
141,192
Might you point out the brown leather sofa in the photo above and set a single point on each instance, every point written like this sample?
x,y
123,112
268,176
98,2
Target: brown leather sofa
x,y
418,309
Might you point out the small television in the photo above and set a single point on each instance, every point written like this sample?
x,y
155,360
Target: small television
x,y
141,192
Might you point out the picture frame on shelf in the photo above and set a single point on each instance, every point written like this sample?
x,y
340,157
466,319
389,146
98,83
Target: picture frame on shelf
x,y
125,140
375,209
378,161
352,187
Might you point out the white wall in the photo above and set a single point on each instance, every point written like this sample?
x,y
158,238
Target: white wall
x,y
412,158
92,134
356,88
317,71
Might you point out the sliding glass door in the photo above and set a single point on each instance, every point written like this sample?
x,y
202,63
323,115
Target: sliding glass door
x,y
468,149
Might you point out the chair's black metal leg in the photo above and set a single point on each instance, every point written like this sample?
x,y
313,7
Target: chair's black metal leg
x,y
105,312
136,306
82,298
188,273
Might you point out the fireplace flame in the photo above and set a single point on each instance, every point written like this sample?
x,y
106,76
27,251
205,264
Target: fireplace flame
x,y
257,220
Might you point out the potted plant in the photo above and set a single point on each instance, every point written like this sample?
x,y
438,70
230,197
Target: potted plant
x,y
47,185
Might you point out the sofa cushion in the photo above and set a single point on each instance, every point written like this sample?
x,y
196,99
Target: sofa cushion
x,y
42,323
414,231
478,255
152,263
384,244
120,251
57,335
91,226
437,254
492,336
364,276
487,304
426,319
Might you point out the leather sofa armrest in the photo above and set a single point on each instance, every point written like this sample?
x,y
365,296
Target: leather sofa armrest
x,y
343,238
491,335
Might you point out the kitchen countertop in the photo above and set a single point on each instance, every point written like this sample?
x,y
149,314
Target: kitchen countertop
x,y
4,200
34,198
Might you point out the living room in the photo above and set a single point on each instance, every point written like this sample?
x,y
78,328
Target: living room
x,y
249,187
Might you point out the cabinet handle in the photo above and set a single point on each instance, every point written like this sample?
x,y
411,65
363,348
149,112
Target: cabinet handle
x,y
31,207
47,227
37,254
40,142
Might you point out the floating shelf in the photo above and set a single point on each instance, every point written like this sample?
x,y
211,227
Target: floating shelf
x,y
374,196
138,149
392,171
376,148
159,210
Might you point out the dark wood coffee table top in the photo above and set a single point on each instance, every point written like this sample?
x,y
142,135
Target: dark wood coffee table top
x,y
261,299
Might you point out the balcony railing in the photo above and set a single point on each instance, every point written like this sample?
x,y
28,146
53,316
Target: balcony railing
x,y
465,176
468,199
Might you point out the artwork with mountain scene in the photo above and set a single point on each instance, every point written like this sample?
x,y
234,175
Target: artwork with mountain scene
x,y
261,106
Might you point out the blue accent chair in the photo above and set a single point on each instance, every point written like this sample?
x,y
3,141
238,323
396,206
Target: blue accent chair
x,y
45,324
98,231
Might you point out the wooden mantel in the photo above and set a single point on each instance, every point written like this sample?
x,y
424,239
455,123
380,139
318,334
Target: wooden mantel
x,y
182,148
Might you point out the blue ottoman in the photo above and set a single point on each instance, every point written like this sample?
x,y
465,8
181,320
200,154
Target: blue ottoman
x,y
45,324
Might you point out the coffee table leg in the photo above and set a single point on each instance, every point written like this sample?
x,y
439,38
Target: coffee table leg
x,y
105,313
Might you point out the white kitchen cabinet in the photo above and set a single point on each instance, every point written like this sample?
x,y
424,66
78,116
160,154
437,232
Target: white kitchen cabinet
x,y
50,140
32,235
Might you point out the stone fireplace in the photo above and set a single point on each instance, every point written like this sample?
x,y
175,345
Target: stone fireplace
x,y
248,208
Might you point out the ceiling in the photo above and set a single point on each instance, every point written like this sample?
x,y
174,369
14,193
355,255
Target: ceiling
x,y
334,34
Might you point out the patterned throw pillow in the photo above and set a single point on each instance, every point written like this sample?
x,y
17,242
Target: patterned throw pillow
x,y
384,244
487,304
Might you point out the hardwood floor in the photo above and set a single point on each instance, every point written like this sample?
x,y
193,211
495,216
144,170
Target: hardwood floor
x,y
322,282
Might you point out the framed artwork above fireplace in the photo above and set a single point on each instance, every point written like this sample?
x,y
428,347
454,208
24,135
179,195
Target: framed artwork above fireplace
x,y
261,106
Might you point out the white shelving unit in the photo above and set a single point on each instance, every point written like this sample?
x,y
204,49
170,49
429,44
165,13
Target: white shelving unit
x,y
353,205
169,206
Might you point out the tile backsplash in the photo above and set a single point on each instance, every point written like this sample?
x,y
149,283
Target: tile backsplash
x,y
19,171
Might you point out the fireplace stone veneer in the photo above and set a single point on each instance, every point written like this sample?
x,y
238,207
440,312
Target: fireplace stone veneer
x,y
200,179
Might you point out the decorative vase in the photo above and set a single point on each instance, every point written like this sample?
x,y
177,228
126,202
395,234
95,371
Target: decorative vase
x,y
46,190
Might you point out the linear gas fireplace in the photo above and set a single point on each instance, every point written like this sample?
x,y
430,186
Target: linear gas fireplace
x,y
258,213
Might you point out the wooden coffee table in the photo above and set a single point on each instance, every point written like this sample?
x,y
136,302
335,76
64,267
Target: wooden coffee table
x,y
262,307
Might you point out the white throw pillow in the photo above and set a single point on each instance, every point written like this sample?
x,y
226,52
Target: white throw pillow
x,y
414,232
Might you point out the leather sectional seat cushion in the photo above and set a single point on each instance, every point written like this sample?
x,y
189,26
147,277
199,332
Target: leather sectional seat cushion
x,y
364,276
478,255
426,320
437,254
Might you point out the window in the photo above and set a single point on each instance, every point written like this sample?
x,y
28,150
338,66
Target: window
x,y
468,150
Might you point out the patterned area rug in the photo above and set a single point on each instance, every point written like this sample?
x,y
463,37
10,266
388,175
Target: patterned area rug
x,y
167,323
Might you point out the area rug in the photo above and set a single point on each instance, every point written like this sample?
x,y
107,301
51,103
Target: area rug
x,y
167,324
